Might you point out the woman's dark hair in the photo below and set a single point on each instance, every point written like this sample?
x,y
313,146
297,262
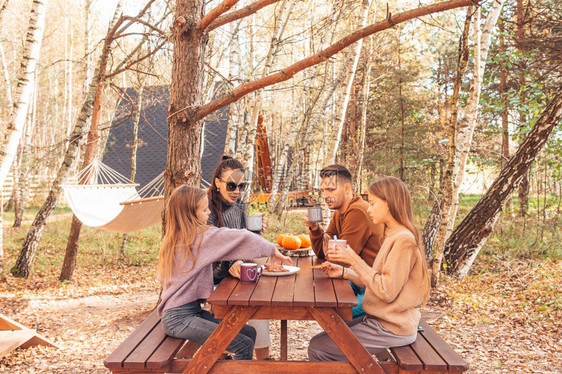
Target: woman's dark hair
x,y
215,198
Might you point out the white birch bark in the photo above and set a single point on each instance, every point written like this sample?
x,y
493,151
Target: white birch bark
x,y
357,53
281,24
24,88
467,121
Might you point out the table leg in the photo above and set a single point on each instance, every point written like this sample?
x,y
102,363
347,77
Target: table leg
x,y
229,327
348,343
283,340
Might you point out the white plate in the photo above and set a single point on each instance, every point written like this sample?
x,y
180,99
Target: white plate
x,y
292,270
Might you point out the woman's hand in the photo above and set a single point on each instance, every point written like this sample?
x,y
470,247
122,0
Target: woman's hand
x,y
343,255
278,258
333,271
264,222
235,269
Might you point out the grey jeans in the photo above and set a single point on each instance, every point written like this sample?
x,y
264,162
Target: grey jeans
x,y
191,322
374,337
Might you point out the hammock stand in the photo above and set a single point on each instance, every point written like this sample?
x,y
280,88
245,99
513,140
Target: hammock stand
x,y
101,197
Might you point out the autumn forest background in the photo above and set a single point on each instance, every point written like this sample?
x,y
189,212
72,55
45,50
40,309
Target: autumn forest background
x,y
462,102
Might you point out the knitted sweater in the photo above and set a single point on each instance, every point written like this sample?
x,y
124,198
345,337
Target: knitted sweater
x,y
354,225
394,284
216,244
234,216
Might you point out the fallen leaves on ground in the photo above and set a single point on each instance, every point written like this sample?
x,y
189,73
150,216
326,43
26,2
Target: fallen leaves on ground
x,y
503,318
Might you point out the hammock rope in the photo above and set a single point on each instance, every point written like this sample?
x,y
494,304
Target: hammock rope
x,y
103,198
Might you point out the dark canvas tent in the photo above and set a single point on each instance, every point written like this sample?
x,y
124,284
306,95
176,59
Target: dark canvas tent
x,y
153,134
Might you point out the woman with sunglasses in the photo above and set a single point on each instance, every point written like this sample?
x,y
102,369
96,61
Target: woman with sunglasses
x,y
228,210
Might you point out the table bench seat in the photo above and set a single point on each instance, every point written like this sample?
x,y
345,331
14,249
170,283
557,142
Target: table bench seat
x,y
149,350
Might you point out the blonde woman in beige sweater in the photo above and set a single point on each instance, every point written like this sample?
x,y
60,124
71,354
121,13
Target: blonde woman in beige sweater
x,y
397,283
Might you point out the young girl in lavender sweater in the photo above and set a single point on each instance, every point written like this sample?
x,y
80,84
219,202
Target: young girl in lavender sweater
x,y
187,252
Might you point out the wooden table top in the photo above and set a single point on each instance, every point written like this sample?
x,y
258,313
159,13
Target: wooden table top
x,y
306,288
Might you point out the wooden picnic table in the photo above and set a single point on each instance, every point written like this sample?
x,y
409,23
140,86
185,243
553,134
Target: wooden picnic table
x,y
306,295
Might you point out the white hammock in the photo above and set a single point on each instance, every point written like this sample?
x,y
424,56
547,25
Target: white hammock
x,y
108,201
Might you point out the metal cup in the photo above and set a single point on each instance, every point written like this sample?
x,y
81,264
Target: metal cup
x,y
315,214
254,223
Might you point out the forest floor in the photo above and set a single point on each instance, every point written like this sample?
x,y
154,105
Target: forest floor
x,y
503,318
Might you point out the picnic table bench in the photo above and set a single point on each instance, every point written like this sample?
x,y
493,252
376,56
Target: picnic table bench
x,y
149,350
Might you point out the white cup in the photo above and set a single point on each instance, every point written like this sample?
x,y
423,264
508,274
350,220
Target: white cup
x,y
254,223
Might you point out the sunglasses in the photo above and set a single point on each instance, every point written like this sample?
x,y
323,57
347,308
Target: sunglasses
x,y
231,186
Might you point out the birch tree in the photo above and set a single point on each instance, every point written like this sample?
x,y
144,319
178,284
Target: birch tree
x,y
81,128
186,111
24,93
366,4
24,88
469,237
467,123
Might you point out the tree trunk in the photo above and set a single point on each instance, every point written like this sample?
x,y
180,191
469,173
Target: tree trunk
x,y
365,5
71,252
24,89
524,185
29,248
467,122
446,200
247,156
183,165
468,238
505,110
133,159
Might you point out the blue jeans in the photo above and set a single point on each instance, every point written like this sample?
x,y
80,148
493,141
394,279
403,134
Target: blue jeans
x,y
359,294
191,322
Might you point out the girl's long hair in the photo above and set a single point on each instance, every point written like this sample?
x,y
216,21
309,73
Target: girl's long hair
x,y
215,198
396,194
182,226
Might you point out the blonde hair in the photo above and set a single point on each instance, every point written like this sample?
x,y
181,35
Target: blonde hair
x,y
182,226
396,194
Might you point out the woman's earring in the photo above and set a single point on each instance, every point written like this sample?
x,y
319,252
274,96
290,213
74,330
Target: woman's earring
x,y
218,189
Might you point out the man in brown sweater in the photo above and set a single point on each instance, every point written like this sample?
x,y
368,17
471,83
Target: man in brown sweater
x,y
350,221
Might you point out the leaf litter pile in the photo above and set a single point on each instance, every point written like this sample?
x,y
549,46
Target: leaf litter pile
x,y
505,317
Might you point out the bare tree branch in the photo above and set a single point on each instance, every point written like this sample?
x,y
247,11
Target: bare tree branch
x,y
138,20
137,60
241,13
323,55
215,13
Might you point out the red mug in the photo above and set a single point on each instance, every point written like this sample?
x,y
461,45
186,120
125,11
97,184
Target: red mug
x,y
250,272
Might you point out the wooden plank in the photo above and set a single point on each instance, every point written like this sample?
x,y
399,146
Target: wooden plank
x,y
348,343
117,357
406,358
427,355
284,290
188,350
283,339
138,358
6,323
264,291
276,367
344,293
241,294
165,353
304,283
12,339
222,292
270,312
454,361
324,293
